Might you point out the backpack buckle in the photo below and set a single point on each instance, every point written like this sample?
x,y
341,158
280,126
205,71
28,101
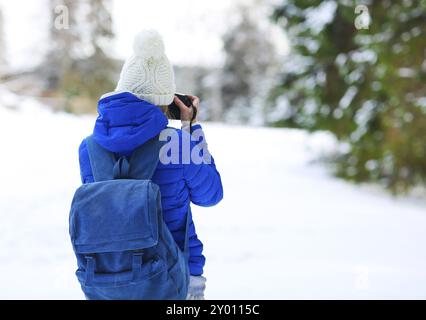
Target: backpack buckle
x,y
90,270
137,265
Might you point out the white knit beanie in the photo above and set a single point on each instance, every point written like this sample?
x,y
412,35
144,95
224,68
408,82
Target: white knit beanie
x,y
148,73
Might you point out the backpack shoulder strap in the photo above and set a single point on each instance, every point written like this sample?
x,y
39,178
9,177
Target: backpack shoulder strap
x,y
101,161
144,159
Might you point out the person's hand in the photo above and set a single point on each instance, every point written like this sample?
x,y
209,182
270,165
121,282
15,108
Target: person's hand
x,y
186,113
196,288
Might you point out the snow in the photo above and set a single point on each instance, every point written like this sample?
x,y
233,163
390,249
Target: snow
x,y
318,17
286,229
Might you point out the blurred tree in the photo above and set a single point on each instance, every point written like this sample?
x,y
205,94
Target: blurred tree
x,y
249,57
64,41
99,24
78,64
366,85
93,75
2,44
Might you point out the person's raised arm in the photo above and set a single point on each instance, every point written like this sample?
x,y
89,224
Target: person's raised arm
x,y
200,173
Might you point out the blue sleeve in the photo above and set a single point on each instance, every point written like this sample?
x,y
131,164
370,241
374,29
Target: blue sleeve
x,y
85,168
203,179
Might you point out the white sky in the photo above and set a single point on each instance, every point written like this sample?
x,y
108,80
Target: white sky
x,y
191,29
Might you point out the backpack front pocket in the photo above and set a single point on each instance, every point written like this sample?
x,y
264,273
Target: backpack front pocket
x,y
140,271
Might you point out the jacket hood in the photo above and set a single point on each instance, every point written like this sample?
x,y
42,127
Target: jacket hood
x,y
125,122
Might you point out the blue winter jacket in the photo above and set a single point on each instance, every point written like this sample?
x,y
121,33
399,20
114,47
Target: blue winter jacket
x,y
124,123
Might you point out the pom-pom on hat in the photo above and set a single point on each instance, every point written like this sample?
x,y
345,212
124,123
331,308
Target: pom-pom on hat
x,y
148,73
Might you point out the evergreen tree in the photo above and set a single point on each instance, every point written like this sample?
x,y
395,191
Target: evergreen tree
x,y
64,42
99,22
94,74
364,85
77,66
2,44
249,56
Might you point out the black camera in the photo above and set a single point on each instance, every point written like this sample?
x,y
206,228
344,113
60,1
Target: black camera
x,y
174,111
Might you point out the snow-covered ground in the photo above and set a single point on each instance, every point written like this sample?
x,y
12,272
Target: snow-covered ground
x,y
284,230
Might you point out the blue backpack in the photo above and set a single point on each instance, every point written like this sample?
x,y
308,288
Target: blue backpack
x,y
123,247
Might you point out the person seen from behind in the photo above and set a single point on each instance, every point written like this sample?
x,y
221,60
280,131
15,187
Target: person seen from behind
x,y
135,113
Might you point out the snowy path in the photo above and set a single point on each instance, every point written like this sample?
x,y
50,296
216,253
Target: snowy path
x,y
284,230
